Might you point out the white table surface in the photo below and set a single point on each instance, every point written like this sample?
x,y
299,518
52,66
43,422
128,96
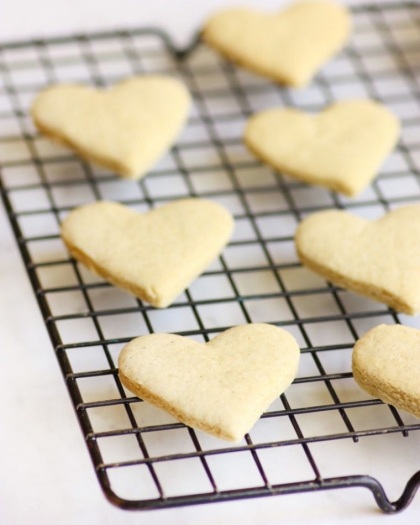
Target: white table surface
x,y
46,476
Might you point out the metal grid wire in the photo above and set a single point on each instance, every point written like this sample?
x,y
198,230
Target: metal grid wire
x,y
143,457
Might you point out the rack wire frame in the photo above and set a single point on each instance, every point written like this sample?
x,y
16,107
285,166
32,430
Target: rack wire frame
x,y
226,95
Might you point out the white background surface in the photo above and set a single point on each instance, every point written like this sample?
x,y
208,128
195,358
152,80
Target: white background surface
x,y
46,476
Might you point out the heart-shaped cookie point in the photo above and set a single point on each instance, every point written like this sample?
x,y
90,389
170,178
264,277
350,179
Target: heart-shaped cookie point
x,y
155,255
378,259
287,47
221,387
125,128
386,363
341,148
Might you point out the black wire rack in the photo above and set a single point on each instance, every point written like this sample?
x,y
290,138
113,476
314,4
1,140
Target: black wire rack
x,y
324,431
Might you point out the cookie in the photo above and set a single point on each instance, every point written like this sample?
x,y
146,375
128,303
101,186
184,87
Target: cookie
x,y
221,387
386,363
378,259
287,47
341,148
126,128
155,255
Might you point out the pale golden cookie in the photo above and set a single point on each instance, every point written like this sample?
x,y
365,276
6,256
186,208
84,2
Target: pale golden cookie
x,y
386,363
287,47
155,255
126,128
341,148
378,259
221,387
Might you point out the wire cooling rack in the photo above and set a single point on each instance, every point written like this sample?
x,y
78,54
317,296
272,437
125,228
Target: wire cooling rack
x,y
324,433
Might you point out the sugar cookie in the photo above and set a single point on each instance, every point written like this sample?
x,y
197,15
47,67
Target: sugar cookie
x,y
125,128
341,148
287,47
221,387
386,363
378,259
154,255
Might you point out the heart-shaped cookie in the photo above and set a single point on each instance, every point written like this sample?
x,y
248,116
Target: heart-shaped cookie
x,y
342,148
287,47
221,387
380,259
155,255
386,363
125,128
